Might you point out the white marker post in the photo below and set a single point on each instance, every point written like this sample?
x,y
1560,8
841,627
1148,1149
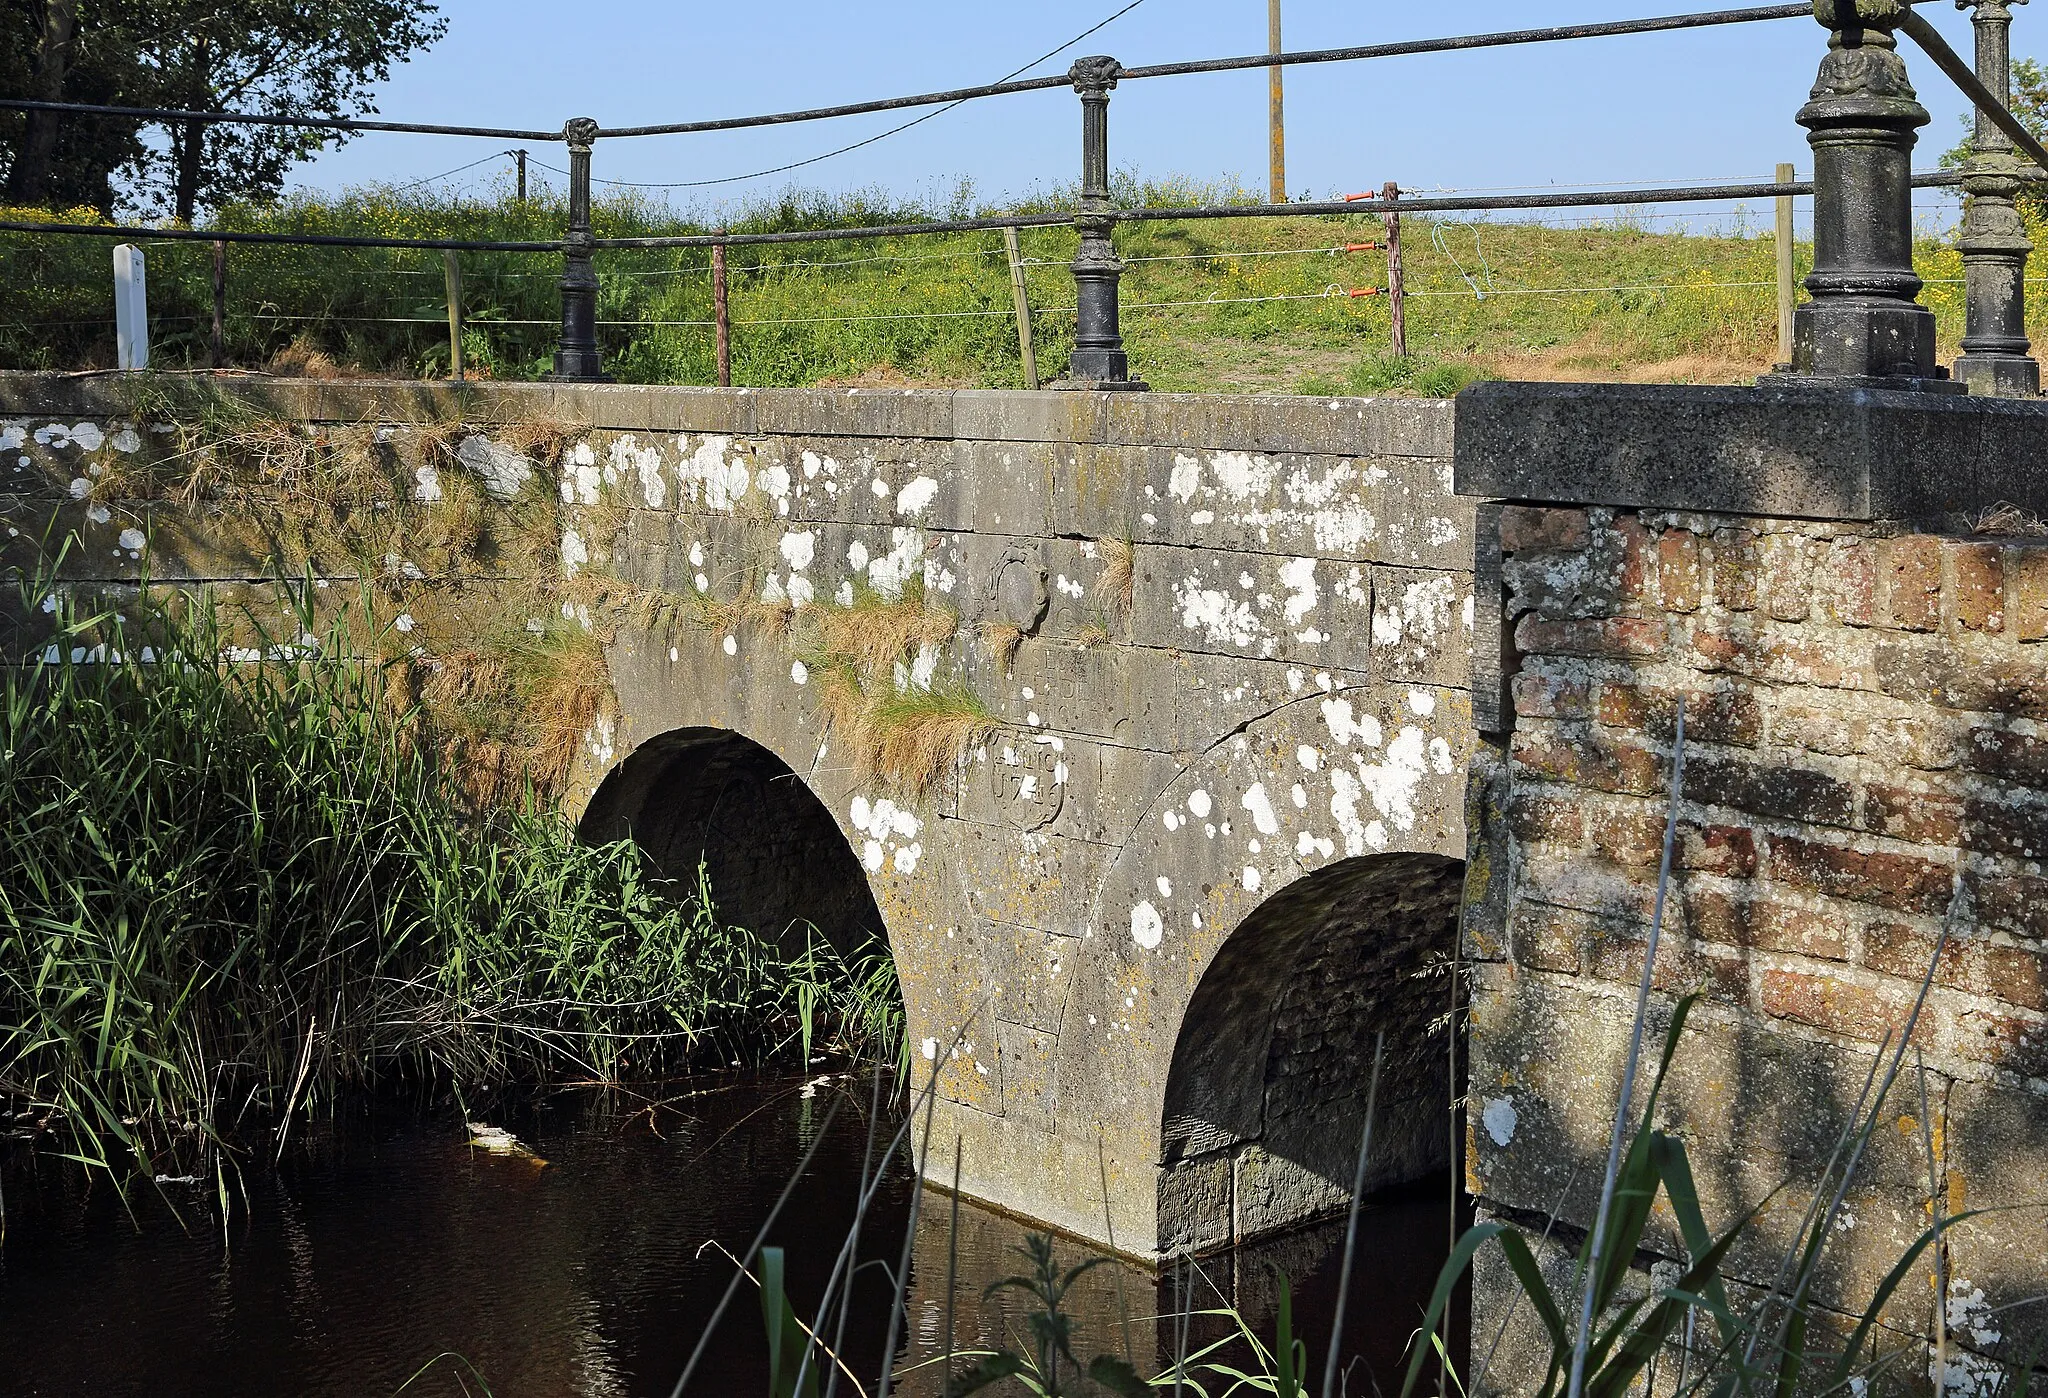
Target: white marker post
x,y
131,308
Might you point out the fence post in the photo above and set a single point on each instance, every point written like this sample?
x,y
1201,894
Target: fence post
x,y
131,308
1021,300
217,342
1994,244
1098,361
1788,296
1863,323
721,315
576,357
451,268
1397,274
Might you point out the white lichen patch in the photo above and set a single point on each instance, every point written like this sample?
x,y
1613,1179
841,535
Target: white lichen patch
x,y
503,471
1261,807
575,555
1148,928
916,497
1500,1119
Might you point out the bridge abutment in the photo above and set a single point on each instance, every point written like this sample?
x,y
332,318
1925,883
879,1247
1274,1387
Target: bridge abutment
x,y
1849,591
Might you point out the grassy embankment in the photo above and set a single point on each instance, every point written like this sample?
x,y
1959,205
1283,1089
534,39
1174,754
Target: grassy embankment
x,y
230,892
1661,306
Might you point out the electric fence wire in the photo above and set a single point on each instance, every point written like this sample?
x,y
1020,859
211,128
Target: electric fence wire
x,y
880,136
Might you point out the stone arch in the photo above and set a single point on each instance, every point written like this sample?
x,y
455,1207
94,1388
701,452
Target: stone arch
x,y
1266,1096
775,856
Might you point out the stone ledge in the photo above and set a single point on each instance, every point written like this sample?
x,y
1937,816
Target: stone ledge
x,y
1382,427
1794,453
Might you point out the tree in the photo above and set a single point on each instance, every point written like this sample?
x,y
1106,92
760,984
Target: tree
x,y
69,51
273,57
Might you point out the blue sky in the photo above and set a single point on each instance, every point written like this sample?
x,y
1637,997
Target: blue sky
x,y
1702,104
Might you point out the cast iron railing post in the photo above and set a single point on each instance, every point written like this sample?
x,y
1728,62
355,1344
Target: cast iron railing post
x,y
1994,242
1864,323
1098,361
576,357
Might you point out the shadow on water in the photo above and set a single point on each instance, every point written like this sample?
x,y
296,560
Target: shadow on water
x,y
388,1241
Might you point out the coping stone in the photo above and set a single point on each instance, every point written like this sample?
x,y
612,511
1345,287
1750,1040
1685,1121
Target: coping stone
x,y
1784,452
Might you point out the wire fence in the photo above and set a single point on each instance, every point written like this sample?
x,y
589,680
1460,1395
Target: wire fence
x,y
478,308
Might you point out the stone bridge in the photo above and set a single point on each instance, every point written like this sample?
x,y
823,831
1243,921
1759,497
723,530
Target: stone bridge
x,y
1170,742
1149,926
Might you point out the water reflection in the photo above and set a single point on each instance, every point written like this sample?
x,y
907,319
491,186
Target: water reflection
x,y
387,1244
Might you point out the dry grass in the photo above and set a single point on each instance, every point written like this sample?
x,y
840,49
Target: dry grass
x,y
875,634
570,687
915,737
304,359
2009,521
1117,583
1002,639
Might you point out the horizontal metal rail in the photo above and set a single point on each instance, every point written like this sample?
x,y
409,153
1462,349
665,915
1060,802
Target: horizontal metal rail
x,y
1404,48
1399,49
1502,203
169,115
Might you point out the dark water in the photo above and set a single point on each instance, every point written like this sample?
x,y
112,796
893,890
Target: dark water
x,y
389,1242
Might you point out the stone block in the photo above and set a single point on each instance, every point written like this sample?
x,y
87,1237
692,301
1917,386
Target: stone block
x,y
854,412
1007,415
1422,625
1306,611
1775,451
1993,1148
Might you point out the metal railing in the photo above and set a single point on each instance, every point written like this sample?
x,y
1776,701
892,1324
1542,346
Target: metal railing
x,y
1862,190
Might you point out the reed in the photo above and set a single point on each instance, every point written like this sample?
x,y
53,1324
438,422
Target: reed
x,y
232,889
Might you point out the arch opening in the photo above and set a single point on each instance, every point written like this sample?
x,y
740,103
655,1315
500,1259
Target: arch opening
x,y
1266,1098
776,859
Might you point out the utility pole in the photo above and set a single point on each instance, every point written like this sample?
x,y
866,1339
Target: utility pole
x,y
1788,296
1276,106
520,156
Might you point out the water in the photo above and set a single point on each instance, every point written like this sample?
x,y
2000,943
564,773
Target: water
x,y
386,1242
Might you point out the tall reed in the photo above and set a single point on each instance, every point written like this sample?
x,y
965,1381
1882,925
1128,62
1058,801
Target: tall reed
x,y
235,883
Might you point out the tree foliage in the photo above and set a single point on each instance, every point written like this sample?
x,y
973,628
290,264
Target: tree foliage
x,y
274,57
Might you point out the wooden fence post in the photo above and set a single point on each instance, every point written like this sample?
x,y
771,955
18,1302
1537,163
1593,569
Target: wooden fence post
x,y
1788,299
1397,281
721,314
218,343
1022,301
451,266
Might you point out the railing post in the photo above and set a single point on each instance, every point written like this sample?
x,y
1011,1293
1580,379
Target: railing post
x,y
1864,323
576,357
1994,242
1098,360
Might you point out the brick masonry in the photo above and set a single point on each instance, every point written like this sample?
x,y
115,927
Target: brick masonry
x,y
1866,767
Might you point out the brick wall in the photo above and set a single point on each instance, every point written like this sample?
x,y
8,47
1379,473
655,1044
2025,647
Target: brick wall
x,y
1866,762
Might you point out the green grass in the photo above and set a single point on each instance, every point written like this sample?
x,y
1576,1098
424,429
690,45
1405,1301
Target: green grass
x,y
230,892
1600,301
